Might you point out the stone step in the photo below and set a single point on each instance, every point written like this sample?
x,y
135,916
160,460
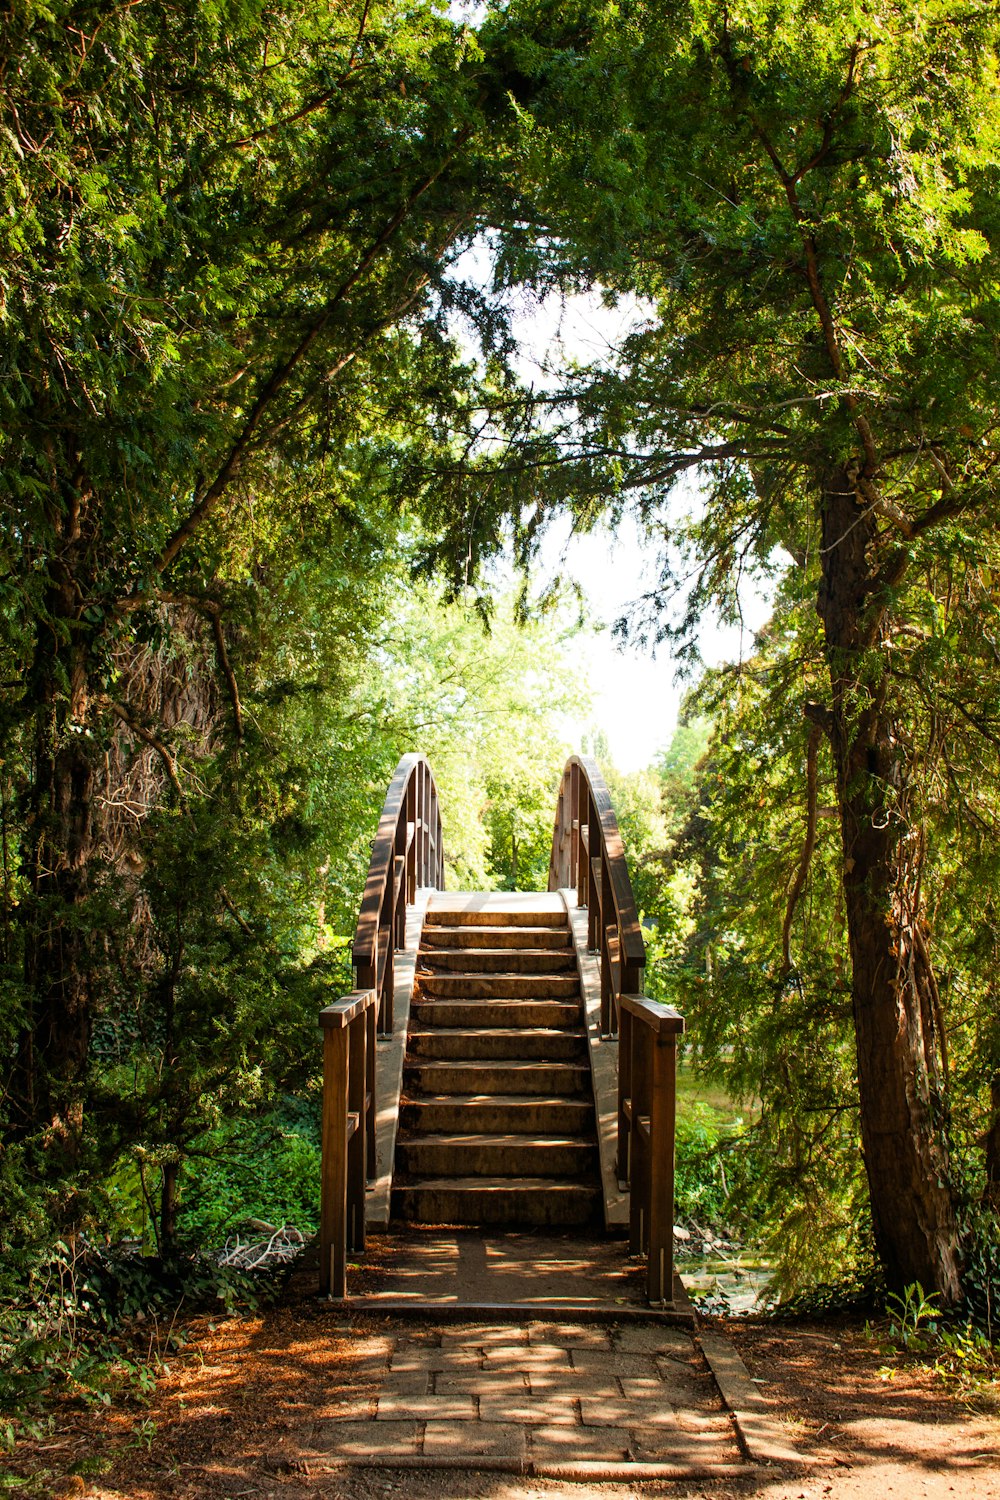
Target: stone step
x,y
495,1155
491,1077
495,1013
529,1202
498,986
498,1114
496,961
495,937
498,1043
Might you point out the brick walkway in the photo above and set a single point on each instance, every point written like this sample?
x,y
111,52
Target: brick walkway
x,y
541,1398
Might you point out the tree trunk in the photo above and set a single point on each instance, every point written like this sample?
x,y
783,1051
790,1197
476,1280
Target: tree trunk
x,y
47,1088
168,1209
895,1001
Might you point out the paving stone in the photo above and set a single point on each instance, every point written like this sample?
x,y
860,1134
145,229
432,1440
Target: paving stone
x,y
626,1414
518,1357
366,1439
474,1440
597,1387
558,1408
683,1390
672,1443
427,1408
639,1338
413,1383
480,1383
347,1409
578,1444
503,1334
435,1359
594,1362
569,1335
699,1421
637,1387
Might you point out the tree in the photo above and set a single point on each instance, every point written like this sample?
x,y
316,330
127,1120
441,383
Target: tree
x,y
221,229
808,204
489,706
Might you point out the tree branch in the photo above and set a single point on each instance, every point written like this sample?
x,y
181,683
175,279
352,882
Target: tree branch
x,y
283,371
150,739
215,616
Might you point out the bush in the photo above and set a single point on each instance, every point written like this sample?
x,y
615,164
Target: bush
x,y
711,1164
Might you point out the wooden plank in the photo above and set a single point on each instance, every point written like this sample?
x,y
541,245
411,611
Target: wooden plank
x,y
333,1168
357,1174
663,1020
342,1012
662,1109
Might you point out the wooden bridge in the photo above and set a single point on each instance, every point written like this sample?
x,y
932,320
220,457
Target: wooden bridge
x,y
497,1064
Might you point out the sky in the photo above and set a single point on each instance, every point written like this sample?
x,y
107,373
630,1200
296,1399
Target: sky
x,y
637,693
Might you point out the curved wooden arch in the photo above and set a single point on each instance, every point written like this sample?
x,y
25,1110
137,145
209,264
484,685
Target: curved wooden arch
x,y
407,853
589,857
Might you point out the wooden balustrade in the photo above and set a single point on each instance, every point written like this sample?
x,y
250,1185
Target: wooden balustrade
x,y
348,1139
647,1116
588,856
406,855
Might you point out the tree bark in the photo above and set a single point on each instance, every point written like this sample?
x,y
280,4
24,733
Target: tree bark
x,y
47,1088
900,1077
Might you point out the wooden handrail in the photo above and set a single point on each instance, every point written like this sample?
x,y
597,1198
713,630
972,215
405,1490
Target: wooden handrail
x,y
647,1119
588,856
406,855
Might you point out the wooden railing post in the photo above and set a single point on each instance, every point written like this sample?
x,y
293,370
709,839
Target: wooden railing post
x,y
333,1188
662,1120
623,1165
357,1175
647,1113
371,1113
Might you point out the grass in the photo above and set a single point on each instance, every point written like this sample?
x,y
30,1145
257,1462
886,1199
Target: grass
x,y
692,1088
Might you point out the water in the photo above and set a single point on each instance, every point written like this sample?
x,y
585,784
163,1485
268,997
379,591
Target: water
x,y
733,1284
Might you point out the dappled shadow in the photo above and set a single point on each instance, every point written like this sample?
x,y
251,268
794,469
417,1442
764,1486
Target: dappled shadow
x,y
254,1412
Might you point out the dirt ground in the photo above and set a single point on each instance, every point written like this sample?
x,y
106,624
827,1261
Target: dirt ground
x,y
224,1419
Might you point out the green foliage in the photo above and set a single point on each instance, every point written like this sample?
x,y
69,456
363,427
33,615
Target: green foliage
x,y
485,705
71,1327
265,1169
912,1316
709,1166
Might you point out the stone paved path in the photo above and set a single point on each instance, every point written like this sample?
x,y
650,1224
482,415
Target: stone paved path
x,y
538,1397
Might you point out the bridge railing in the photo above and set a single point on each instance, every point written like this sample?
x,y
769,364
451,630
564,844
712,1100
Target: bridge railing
x,y
407,854
588,855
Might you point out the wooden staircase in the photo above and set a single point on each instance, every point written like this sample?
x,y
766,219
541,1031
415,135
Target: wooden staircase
x,y
497,1114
